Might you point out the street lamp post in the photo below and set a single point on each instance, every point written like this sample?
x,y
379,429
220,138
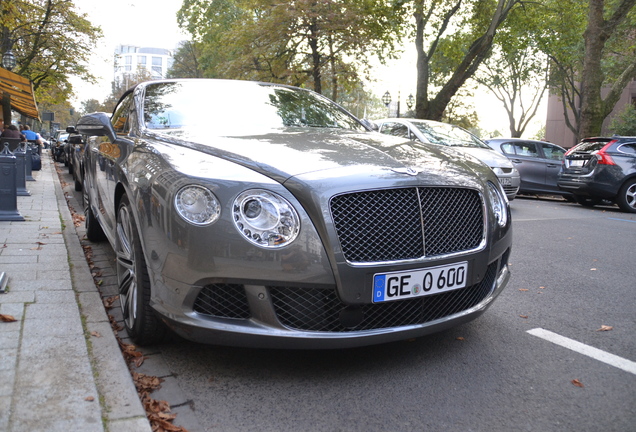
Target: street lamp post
x,y
8,60
410,101
386,99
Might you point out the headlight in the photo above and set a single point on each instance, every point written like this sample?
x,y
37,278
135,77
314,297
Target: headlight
x,y
499,204
265,218
197,205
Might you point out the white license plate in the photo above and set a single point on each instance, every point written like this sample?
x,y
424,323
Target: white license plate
x,y
417,283
577,163
505,181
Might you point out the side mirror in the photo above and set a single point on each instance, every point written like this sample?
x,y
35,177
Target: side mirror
x,y
70,129
369,124
96,124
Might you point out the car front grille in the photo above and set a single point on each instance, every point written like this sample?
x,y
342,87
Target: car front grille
x,y
313,309
321,310
409,223
510,189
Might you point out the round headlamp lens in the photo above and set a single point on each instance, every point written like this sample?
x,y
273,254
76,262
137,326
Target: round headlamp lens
x,y
265,219
197,205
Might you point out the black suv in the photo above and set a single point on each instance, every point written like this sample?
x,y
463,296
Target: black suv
x,y
599,169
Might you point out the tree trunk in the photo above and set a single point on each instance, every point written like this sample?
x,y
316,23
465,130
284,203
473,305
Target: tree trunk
x,y
594,109
315,57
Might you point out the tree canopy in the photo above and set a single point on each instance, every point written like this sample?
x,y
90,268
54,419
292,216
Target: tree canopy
x,y
51,42
322,44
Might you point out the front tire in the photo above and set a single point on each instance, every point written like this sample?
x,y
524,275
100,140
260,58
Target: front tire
x,y
587,201
626,199
141,323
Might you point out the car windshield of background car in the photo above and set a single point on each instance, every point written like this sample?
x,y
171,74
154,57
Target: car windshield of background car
x,y
195,109
447,134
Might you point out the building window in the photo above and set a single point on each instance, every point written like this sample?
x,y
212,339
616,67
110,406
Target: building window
x,y
141,60
157,68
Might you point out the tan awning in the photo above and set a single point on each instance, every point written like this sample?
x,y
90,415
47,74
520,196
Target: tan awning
x,y
21,91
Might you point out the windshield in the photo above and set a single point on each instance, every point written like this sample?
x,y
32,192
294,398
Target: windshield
x,y
237,108
447,134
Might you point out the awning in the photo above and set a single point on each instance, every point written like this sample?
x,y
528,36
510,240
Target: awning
x,y
21,91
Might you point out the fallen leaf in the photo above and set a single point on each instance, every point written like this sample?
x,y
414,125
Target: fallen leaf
x,y
523,289
593,269
89,398
605,328
96,334
7,318
577,383
459,338
523,316
541,287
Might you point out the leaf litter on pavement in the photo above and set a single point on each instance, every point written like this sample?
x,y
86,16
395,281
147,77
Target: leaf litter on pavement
x,y
157,411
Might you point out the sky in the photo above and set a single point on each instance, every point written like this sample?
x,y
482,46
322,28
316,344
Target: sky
x,y
147,23
151,23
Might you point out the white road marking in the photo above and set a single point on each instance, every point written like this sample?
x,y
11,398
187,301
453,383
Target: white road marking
x,y
595,353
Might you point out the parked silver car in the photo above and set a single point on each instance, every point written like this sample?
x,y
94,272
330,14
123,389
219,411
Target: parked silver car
x,y
459,139
538,163
263,215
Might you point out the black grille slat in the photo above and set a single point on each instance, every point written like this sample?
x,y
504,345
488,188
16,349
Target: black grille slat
x,y
223,301
384,221
407,223
442,209
319,309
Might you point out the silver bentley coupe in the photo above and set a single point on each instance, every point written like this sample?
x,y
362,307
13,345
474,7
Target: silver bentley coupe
x,y
262,215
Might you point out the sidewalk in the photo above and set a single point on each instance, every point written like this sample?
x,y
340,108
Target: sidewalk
x,y
60,364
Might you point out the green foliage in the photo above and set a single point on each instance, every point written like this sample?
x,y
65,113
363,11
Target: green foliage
x,y
186,61
322,44
51,42
516,71
452,38
624,123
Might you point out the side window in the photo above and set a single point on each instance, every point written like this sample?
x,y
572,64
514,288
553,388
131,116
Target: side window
x,y
508,148
526,149
552,152
630,149
395,129
121,116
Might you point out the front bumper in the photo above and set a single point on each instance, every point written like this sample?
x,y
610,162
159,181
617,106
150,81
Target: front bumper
x,y
311,318
510,184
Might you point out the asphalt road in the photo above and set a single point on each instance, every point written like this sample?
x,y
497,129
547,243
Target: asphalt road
x,y
573,273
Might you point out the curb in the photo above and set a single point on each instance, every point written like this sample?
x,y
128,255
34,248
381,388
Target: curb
x,y
121,407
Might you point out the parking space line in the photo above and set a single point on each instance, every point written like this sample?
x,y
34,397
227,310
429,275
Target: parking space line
x,y
595,353
622,220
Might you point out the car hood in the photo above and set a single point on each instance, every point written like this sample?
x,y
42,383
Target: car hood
x,y
321,153
488,156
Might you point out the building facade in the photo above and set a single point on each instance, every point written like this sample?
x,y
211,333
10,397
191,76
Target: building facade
x,y
556,130
130,60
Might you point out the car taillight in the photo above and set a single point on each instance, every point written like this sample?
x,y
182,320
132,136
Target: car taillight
x,y
602,157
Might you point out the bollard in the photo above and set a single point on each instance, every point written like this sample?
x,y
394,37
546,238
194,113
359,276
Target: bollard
x,y
28,162
20,176
8,191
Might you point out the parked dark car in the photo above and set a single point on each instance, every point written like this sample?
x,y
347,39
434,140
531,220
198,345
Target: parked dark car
x,y
276,219
439,133
538,163
599,169
58,141
76,143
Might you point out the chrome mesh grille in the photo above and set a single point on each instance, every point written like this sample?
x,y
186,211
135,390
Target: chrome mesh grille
x,y
409,223
319,309
223,300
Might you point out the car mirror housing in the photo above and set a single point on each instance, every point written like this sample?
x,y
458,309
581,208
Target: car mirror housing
x,y
370,124
96,124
